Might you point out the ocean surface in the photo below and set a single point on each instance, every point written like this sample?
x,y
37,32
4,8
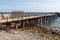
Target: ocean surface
x,y
56,22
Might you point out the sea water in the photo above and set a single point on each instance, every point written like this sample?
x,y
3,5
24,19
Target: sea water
x,y
56,22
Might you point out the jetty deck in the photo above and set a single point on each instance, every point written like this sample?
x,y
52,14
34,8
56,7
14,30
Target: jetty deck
x,y
27,21
23,18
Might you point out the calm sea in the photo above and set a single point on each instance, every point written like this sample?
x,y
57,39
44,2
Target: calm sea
x,y
56,22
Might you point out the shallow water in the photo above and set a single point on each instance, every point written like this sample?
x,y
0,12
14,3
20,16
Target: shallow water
x,y
56,22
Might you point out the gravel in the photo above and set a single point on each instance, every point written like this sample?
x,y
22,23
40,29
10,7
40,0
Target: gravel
x,y
18,35
28,35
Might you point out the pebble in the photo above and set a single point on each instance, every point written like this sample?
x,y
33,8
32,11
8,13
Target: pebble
x,y
27,35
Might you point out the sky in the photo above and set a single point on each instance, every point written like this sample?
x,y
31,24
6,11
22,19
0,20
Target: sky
x,y
30,5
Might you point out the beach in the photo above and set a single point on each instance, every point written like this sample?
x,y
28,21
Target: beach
x,y
42,34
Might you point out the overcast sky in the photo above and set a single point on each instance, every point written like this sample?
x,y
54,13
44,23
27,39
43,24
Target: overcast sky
x,y
30,5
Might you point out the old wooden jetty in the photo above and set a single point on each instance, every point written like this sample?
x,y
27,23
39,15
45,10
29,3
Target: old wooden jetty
x,y
27,22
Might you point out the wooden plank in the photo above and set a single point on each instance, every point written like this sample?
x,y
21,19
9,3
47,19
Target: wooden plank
x,y
24,18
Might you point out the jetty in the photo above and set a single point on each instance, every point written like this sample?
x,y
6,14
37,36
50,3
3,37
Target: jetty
x,y
26,21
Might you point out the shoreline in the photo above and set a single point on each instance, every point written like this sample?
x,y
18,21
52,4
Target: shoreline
x,y
33,34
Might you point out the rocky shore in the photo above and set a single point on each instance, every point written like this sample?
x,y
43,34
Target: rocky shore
x,y
34,34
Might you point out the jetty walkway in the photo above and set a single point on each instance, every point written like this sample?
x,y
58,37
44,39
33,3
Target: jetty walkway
x,y
27,21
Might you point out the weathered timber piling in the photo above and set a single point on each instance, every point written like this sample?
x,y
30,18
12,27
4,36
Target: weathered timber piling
x,y
23,26
13,25
31,24
45,20
8,25
41,21
27,24
17,24
49,20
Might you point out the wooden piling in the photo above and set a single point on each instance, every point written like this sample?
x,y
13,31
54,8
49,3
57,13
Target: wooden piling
x,y
16,26
48,20
23,25
31,22
29,25
45,20
26,24
41,22
8,26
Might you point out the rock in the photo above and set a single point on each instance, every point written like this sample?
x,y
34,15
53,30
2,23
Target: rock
x,y
27,35
27,38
